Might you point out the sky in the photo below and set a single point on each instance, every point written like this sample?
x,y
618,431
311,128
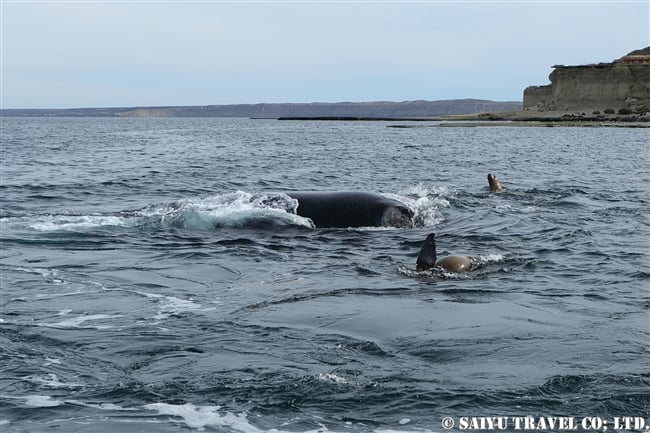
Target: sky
x,y
72,54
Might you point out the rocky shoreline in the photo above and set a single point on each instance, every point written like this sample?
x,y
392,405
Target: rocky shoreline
x,y
510,118
548,118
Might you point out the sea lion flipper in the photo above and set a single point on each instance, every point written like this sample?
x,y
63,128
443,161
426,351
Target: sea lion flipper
x,y
427,257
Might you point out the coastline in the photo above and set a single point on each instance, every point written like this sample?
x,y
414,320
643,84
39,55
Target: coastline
x,y
548,119
508,118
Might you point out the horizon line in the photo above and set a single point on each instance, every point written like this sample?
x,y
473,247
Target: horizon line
x,y
107,107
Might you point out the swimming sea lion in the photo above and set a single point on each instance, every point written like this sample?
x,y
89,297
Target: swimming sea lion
x,y
427,259
352,209
495,185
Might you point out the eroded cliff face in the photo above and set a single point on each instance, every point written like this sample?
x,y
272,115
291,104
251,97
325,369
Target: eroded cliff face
x,y
622,86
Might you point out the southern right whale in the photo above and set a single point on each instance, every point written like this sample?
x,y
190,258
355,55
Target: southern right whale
x,y
342,209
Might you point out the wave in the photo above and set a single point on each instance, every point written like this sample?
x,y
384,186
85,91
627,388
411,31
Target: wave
x,y
427,203
235,210
238,209
193,416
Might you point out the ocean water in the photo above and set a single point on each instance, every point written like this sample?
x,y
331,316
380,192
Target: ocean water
x,y
148,284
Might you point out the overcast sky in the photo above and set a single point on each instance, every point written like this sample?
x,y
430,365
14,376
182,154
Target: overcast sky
x,y
62,54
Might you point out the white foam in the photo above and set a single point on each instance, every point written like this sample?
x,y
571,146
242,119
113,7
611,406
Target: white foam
x,y
420,190
193,416
524,210
49,274
171,305
491,258
101,406
76,322
76,222
333,377
59,295
426,203
51,380
235,209
199,417
428,211
50,361
48,401
42,401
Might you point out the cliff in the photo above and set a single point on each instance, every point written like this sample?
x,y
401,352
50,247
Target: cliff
x,y
622,86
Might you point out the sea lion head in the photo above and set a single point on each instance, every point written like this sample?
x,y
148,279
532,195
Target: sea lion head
x,y
494,183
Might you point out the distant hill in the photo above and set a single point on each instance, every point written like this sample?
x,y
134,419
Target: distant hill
x,y
383,109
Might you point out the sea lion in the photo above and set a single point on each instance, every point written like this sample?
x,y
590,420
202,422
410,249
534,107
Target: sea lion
x,y
495,185
427,259
352,209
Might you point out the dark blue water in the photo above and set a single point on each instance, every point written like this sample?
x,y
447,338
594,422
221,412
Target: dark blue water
x,y
148,285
